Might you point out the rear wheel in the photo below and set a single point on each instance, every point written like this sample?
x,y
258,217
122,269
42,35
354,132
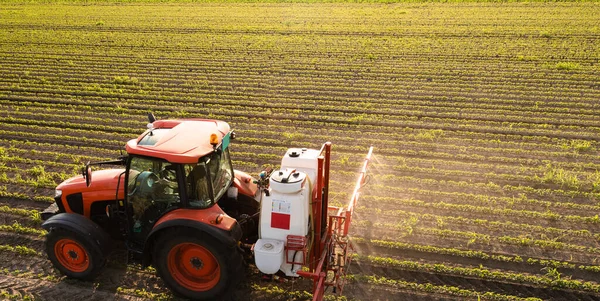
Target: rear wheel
x,y
72,255
197,267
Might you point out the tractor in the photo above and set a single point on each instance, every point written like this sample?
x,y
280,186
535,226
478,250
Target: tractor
x,y
177,204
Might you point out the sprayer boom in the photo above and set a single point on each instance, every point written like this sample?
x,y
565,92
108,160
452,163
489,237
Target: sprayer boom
x,y
331,254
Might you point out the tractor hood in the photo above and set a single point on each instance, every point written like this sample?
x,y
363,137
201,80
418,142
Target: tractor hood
x,y
73,195
101,180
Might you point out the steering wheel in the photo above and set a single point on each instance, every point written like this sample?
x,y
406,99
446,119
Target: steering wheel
x,y
168,174
143,183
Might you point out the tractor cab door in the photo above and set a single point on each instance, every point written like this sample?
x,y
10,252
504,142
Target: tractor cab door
x,y
153,188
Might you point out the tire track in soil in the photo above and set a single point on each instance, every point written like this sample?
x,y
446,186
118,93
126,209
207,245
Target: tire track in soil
x,y
33,264
108,281
18,239
477,284
50,291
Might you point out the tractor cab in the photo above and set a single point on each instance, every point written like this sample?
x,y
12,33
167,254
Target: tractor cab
x,y
156,186
175,165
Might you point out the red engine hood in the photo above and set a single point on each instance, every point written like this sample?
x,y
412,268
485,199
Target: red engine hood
x,y
102,188
101,180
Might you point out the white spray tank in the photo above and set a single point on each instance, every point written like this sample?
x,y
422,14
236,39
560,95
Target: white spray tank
x,y
302,159
285,210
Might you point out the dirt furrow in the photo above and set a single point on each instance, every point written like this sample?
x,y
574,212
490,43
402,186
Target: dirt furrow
x,y
63,290
478,284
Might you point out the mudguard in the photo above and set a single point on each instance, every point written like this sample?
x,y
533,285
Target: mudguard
x,y
245,183
81,225
227,238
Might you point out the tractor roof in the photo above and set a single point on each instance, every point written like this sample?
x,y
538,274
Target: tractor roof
x,y
178,141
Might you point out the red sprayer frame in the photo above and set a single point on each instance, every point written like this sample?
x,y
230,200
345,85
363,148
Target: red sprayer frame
x,y
331,248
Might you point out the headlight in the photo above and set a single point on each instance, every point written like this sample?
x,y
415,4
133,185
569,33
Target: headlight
x,y
57,193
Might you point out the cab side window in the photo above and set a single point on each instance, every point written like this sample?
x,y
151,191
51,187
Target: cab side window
x,y
197,186
152,189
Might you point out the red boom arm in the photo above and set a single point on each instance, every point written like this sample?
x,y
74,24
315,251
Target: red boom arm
x,y
331,248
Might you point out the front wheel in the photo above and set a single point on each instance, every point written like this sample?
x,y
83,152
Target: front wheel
x,y
74,256
197,267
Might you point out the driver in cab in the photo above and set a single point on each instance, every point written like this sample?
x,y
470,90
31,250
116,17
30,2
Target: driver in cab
x,y
158,190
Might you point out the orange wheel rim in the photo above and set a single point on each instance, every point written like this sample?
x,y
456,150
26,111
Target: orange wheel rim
x,y
71,255
193,267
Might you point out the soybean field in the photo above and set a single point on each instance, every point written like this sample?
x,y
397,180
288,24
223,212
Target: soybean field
x,y
485,118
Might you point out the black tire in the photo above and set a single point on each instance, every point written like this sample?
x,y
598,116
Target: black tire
x,y
73,255
174,246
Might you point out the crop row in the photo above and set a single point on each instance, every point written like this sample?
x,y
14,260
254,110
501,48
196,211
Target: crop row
x,y
557,148
47,181
432,136
497,212
18,228
483,273
467,97
407,229
514,202
170,108
33,214
480,118
460,121
21,250
489,187
301,136
436,289
520,202
382,17
250,143
484,225
385,88
23,196
50,158
74,41
385,94
380,21
563,179
298,137
218,99
326,72
48,161
476,254
444,123
313,44
57,150
480,272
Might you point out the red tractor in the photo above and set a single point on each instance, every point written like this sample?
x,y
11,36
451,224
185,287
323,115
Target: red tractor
x,y
179,205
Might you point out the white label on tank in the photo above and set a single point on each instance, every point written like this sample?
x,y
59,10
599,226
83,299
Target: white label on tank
x,y
282,206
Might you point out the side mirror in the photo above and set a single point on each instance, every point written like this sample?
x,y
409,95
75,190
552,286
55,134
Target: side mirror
x,y
87,174
151,118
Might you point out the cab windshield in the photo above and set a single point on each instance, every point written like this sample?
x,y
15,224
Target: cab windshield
x,y
221,172
201,193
